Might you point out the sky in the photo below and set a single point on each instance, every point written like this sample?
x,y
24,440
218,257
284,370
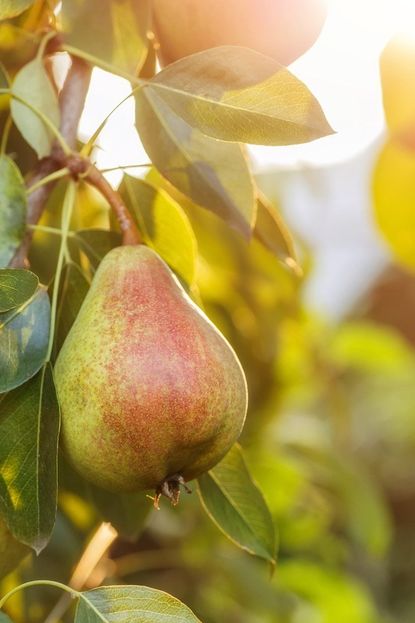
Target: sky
x,y
328,201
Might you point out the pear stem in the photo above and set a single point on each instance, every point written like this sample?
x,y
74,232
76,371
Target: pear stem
x,y
81,167
129,230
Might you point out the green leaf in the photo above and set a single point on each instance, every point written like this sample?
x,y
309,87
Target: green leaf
x,y
236,505
130,604
11,8
16,287
394,200
214,174
237,94
33,85
110,34
273,233
96,243
371,526
12,209
163,224
365,348
29,430
74,288
11,551
127,512
4,618
24,336
337,596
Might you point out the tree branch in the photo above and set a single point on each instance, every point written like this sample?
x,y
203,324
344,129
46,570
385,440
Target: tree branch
x,y
72,99
71,102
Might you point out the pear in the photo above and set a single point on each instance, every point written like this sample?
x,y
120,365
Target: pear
x,y
282,29
11,551
152,395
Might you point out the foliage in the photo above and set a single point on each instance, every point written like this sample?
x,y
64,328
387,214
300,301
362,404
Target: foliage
x,y
328,444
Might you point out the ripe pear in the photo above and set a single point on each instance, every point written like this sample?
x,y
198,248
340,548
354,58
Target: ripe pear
x,y
152,395
11,551
282,29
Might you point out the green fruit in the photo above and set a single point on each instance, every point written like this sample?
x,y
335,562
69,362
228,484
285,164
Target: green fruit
x,y
11,551
282,29
152,395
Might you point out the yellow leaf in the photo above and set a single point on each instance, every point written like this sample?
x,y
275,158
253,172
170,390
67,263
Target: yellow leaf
x,y
394,195
398,83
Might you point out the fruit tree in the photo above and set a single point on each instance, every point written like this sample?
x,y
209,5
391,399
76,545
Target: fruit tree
x,y
151,328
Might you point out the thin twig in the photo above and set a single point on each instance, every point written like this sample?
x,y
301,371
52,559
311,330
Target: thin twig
x,y
46,180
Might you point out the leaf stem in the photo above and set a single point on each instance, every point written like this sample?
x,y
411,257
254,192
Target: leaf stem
x,y
14,590
56,175
5,137
65,222
87,148
102,64
42,47
50,230
5,73
123,167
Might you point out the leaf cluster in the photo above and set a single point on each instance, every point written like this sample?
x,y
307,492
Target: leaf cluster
x,y
197,204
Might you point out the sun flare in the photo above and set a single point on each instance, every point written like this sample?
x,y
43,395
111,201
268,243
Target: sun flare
x,y
344,77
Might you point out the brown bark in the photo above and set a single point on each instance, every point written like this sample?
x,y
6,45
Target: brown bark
x,y
71,102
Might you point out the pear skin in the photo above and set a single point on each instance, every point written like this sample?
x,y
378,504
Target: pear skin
x,y
151,392
281,29
11,551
